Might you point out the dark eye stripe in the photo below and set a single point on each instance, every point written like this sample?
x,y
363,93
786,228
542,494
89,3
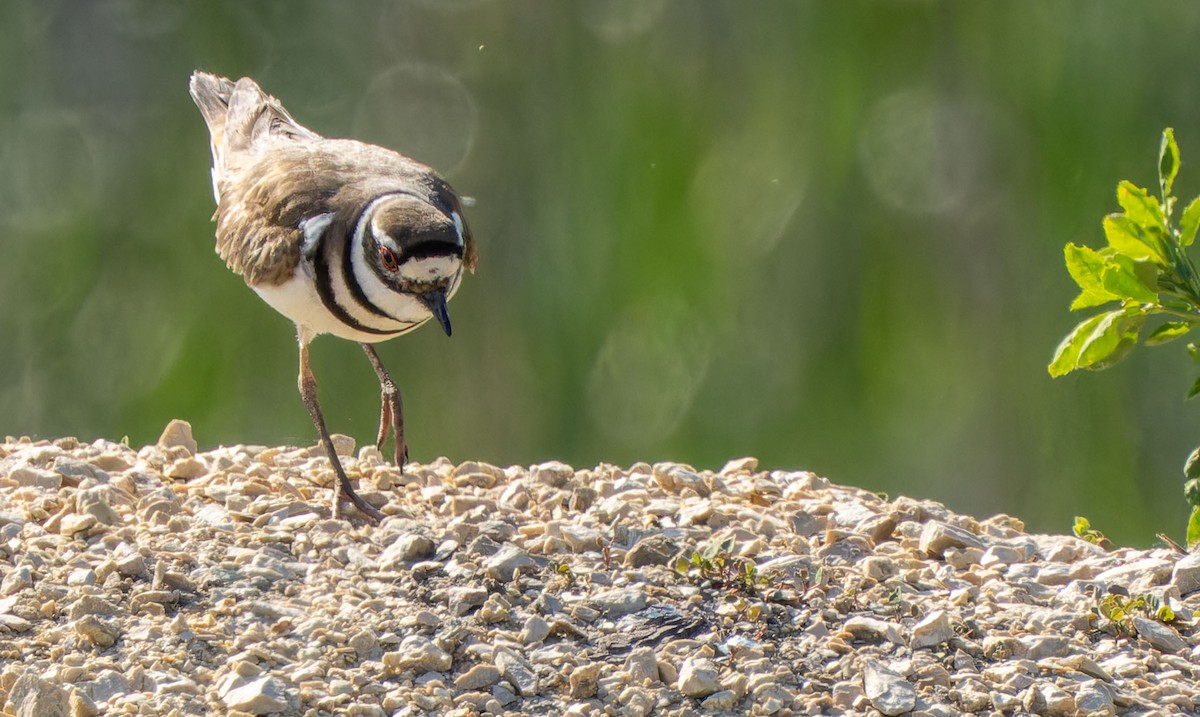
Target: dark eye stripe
x,y
428,249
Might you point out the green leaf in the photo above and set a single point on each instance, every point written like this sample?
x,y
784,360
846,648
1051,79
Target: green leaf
x,y
1188,222
1191,487
1066,356
1140,207
1193,529
1168,162
1168,331
1086,266
1122,277
1193,391
1132,239
1111,339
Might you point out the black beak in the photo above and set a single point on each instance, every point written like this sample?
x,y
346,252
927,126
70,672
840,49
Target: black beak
x,y
435,301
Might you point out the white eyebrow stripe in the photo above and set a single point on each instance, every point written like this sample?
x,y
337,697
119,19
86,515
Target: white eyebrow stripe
x,y
368,217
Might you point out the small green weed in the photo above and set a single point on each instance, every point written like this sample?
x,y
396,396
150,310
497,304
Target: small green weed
x,y
1083,529
719,567
1114,614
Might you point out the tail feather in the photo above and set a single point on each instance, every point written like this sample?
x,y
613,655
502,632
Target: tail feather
x,y
211,94
239,114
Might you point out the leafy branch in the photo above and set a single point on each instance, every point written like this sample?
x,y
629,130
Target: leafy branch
x,y
1145,270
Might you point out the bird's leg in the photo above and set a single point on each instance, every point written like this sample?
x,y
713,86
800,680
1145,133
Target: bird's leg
x,y
308,393
391,412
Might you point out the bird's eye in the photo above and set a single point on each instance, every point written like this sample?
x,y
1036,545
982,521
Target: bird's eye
x,y
389,259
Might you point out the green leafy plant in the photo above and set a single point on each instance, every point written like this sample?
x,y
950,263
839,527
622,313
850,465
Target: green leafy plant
x,y
1114,613
717,566
564,573
1083,529
1144,276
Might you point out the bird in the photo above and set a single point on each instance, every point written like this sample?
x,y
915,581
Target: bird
x,y
340,236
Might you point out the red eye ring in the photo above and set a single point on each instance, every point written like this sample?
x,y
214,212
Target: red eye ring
x,y
389,259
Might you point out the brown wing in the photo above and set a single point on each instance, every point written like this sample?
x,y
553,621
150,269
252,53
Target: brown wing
x,y
261,210
262,180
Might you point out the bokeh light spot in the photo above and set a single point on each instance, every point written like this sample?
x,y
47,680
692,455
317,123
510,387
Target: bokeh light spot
x,y
921,152
422,111
648,371
621,20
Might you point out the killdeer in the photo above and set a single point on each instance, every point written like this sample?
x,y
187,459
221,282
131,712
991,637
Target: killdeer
x,y
339,236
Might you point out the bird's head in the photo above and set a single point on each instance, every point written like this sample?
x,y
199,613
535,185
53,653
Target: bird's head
x,y
419,248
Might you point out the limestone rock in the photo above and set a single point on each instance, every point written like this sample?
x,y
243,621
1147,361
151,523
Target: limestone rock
x,y
698,677
888,692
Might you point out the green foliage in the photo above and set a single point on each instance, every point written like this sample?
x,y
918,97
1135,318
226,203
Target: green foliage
x,y
1083,529
717,566
1114,613
564,573
1146,270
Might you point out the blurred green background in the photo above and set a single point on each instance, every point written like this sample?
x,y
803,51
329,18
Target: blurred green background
x,y
825,234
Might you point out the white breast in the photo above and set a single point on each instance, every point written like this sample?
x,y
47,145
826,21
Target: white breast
x,y
298,299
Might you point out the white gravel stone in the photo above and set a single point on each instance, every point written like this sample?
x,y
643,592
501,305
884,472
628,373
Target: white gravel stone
x,y
1092,698
771,697
938,537
620,601
1185,576
464,599
535,630
642,665
1144,572
206,585
698,677
407,548
933,630
1160,636
107,685
257,696
478,677
76,523
888,692
32,696
1037,647
16,580
518,672
873,630
878,567
30,477
505,562
178,434
419,654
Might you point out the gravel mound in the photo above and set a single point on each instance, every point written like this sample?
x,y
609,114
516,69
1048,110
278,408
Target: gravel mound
x,y
168,581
